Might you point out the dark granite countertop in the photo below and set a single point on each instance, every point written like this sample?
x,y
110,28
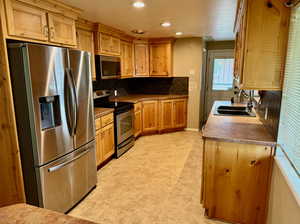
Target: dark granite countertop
x,y
135,98
237,128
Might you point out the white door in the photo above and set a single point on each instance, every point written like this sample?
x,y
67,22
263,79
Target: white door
x,y
219,77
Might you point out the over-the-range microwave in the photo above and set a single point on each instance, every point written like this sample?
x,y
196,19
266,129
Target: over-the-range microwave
x,y
108,67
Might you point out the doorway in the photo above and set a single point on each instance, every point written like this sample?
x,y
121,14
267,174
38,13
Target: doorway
x,y
219,77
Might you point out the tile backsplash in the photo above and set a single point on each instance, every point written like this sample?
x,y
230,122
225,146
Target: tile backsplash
x,y
269,110
173,85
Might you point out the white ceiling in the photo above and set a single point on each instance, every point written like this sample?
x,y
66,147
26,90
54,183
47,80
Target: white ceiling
x,y
200,18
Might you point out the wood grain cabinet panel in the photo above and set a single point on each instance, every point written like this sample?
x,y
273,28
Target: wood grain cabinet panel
x,y
107,140
180,113
236,181
25,21
161,59
108,45
262,36
150,116
62,30
126,59
141,58
138,121
166,113
99,158
85,42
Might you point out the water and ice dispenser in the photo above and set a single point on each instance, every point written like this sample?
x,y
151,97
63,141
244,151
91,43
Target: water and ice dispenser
x,y
50,112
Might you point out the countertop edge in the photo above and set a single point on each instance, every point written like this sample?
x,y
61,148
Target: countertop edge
x,y
245,141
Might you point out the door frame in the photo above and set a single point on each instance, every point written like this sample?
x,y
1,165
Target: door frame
x,y
211,54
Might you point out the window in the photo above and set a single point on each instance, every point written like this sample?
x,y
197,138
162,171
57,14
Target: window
x,y
223,74
289,126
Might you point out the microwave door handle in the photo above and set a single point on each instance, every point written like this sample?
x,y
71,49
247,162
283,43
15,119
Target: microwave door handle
x,y
75,104
72,117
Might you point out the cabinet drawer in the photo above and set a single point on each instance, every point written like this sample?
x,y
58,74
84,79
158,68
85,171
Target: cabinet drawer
x,y
107,119
137,107
98,123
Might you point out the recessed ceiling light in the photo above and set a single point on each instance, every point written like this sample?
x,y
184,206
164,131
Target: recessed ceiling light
x,y
138,31
179,33
166,24
138,4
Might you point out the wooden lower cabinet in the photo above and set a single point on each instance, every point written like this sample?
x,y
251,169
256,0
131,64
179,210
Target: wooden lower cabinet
x,y
98,148
235,182
159,116
172,114
166,112
150,116
105,145
180,113
138,120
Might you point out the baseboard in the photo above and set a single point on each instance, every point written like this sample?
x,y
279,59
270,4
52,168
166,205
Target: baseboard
x,y
192,129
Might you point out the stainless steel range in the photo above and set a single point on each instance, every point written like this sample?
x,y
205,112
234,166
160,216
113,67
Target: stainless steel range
x,y
123,114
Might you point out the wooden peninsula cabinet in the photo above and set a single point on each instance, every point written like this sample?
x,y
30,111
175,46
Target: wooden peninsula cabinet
x,y
261,43
237,166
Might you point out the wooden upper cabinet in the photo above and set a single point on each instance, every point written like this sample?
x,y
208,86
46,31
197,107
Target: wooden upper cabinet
x,y
262,35
141,58
150,116
126,59
47,21
108,45
62,30
180,113
25,21
115,46
85,42
161,59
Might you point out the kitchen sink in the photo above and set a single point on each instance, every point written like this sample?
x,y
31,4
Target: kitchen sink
x,y
234,111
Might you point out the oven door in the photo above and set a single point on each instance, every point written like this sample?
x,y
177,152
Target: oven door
x,y
124,126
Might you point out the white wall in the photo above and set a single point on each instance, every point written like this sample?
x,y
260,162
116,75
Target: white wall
x,y
187,61
283,207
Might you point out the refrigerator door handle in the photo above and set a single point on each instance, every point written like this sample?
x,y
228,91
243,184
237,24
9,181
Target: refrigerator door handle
x,y
75,101
71,116
61,165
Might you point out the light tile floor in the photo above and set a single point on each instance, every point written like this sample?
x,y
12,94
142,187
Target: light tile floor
x,y
157,182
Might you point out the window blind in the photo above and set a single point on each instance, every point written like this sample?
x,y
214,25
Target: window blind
x,y
289,125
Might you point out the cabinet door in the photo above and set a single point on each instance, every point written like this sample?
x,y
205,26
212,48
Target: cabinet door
x,y
160,59
150,115
141,56
266,44
166,115
26,22
126,59
62,29
137,123
180,111
85,42
98,148
105,43
115,47
107,139
236,181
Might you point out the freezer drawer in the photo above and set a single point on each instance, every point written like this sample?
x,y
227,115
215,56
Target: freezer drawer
x,y
67,180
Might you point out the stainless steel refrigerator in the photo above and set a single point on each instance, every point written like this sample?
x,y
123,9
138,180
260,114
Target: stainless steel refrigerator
x,y
52,92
